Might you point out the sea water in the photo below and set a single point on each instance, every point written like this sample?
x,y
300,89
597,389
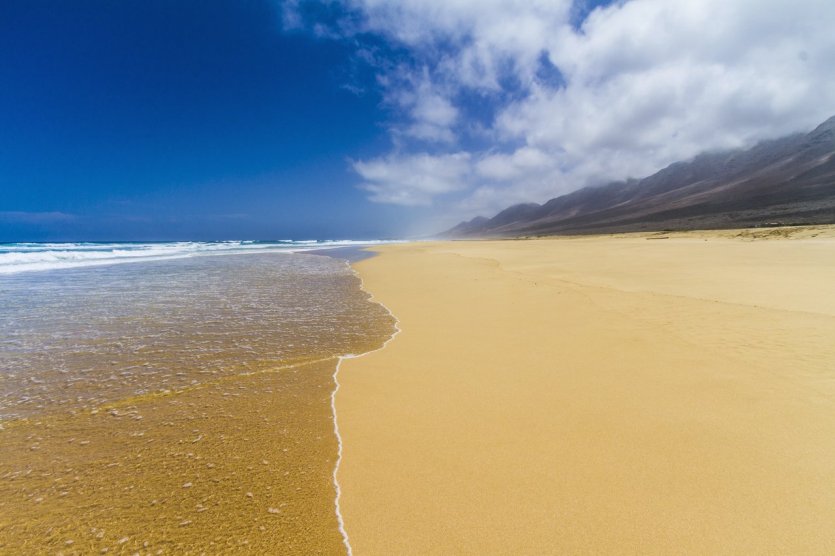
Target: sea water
x,y
177,403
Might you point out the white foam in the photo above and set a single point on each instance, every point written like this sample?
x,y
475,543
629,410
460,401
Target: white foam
x,y
397,331
29,257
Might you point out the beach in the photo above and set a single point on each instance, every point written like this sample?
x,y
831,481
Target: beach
x,y
178,406
644,393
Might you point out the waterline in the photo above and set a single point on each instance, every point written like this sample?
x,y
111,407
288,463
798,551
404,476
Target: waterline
x,y
345,539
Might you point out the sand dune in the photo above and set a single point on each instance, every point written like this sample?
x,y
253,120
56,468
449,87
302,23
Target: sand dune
x,y
596,395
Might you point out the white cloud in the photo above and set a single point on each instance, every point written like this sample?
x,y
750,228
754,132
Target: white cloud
x,y
644,83
35,217
414,180
525,161
431,115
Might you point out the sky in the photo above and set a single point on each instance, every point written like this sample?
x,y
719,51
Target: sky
x,y
248,119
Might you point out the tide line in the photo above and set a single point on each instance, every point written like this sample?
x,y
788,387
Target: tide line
x,y
397,331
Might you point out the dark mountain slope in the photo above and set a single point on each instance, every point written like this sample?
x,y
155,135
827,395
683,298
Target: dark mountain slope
x,y
787,181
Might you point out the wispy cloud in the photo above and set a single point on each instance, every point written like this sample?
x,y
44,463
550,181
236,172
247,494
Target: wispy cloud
x,y
414,180
497,102
23,217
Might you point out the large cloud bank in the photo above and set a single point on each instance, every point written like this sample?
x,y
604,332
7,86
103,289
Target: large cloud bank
x,y
499,101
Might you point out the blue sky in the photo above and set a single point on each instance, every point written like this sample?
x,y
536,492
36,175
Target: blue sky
x,y
156,119
362,118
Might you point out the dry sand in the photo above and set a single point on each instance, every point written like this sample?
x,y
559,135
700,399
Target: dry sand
x,y
611,394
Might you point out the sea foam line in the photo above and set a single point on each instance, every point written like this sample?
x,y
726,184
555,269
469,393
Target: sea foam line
x,y
32,257
397,331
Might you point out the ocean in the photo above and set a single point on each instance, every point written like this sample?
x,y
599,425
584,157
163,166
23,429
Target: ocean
x,y
178,403
25,257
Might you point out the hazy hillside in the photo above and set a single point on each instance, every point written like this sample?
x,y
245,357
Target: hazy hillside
x,y
785,181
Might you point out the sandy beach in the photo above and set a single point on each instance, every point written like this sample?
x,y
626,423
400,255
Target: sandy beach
x,y
614,394
209,433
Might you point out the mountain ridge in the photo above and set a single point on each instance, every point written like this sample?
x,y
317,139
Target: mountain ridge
x,y
784,181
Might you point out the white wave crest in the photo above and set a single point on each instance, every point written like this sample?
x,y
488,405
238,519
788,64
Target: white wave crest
x,y
28,257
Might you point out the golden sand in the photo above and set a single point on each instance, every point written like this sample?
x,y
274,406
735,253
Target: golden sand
x,y
194,419
615,394
240,464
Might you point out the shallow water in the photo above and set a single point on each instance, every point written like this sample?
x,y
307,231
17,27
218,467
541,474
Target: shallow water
x,y
179,405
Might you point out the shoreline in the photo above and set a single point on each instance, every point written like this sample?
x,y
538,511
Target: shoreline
x,y
203,448
604,394
358,255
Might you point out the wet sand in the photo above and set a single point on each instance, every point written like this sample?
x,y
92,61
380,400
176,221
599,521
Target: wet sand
x,y
240,464
614,394
176,407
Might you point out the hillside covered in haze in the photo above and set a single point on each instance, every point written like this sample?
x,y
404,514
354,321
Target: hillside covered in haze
x,y
780,182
